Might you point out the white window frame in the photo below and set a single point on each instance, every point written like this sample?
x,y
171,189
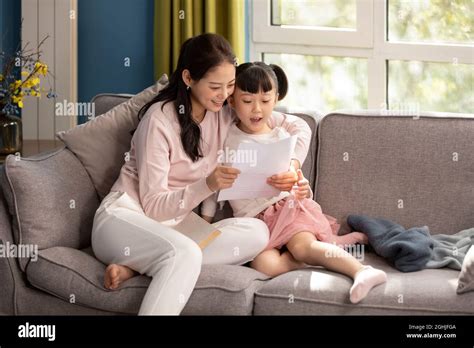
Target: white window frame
x,y
373,44
263,31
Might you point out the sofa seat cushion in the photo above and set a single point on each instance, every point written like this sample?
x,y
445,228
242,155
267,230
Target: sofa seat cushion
x,y
225,290
315,291
77,276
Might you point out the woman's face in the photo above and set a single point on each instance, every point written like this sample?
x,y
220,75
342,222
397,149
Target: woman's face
x,y
212,90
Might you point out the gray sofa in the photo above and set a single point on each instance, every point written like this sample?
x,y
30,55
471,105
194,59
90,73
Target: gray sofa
x,y
414,171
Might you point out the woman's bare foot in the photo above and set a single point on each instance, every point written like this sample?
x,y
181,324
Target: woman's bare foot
x,y
116,274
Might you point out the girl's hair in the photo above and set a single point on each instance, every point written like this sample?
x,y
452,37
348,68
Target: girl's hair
x,y
257,76
199,55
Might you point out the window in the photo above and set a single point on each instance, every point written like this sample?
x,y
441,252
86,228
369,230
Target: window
x,y
335,80
361,54
440,86
435,21
316,13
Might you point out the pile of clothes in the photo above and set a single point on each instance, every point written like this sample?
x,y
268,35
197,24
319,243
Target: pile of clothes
x,y
413,249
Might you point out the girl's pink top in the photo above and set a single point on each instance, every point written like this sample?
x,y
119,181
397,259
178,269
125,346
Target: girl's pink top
x,y
163,179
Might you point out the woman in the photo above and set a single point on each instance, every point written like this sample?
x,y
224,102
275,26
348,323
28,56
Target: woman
x,y
171,170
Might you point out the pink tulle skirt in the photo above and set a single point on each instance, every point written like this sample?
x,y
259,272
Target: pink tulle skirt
x,y
289,216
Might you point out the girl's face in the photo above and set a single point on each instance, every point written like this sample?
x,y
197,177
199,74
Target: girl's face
x,y
253,110
212,90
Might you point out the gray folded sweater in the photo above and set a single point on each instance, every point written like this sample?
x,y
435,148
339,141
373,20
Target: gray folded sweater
x,y
408,250
413,249
450,250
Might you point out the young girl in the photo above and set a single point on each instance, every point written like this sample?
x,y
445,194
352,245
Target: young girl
x,y
294,219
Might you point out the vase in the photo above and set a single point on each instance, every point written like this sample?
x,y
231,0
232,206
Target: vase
x,y
11,135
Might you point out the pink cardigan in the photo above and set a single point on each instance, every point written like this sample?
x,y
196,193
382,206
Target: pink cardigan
x,y
160,175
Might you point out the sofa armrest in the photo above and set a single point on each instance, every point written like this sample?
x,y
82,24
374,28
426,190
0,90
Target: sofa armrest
x,y
8,266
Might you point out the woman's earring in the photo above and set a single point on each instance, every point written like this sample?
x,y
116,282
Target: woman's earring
x,y
187,88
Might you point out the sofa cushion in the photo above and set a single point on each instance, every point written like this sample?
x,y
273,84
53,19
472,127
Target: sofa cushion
x,y
308,166
76,275
466,277
224,290
316,291
414,172
108,138
51,198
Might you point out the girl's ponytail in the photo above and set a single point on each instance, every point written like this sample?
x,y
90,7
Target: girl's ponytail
x,y
282,81
258,76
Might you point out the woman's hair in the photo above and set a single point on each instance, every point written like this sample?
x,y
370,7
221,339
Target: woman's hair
x,y
258,76
199,55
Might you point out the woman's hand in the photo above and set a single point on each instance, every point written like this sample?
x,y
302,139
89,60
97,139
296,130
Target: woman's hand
x,y
222,177
285,181
302,190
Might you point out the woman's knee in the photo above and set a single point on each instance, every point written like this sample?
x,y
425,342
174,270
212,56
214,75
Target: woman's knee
x,y
182,257
189,251
258,234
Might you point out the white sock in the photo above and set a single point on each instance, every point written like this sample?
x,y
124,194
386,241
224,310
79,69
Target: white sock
x,y
364,281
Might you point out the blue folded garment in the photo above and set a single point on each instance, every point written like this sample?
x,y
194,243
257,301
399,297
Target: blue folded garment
x,y
408,250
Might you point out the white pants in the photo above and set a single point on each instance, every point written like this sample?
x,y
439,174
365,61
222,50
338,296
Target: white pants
x,y
123,234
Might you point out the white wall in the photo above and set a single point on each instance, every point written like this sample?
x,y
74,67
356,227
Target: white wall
x,y
58,19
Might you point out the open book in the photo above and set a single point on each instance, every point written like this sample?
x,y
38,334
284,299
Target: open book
x,y
198,229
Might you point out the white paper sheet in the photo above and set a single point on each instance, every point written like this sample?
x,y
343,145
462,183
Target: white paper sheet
x,y
257,163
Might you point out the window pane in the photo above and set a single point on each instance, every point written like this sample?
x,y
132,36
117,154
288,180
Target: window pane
x,y
315,13
431,21
323,83
435,86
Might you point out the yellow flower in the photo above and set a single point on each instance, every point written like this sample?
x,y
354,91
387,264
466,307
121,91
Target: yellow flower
x,y
41,68
18,100
31,82
25,73
35,93
15,85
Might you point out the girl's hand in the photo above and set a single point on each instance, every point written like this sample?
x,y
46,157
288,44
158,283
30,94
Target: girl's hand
x,y
207,218
222,177
302,189
285,181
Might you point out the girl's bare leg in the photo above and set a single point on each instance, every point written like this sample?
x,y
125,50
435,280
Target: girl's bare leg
x,y
117,274
271,263
306,248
